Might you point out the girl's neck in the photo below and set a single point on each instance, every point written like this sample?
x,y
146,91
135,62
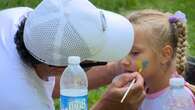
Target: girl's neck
x,y
159,82
158,85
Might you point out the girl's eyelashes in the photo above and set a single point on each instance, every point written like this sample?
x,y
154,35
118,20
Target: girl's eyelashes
x,y
135,53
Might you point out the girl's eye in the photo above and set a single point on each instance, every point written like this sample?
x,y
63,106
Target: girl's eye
x,y
134,53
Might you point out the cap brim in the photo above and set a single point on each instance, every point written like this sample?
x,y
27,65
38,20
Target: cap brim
x,y
119,38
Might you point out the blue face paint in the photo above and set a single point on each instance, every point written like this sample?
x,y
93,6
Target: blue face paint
x,y
141,65
145,64
137,64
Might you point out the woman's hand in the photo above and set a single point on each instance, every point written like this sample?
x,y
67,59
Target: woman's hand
x,y
111,99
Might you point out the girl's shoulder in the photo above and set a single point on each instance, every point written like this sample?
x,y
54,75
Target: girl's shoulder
x,y
190,92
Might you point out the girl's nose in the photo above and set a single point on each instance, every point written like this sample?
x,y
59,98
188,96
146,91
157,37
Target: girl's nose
x,y
126,63
130,63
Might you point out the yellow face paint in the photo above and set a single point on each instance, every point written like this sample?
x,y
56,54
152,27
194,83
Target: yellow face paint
x,y
137,64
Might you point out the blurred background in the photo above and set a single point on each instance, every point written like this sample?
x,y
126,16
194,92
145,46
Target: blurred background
x,y
125,7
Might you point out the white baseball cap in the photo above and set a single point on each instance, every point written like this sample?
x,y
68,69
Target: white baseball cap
x,y
57,29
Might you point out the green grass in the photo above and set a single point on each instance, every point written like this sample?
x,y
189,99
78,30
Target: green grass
x,y
124,7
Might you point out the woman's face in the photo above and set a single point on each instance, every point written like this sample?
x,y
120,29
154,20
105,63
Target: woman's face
x,y
142,57
56,70
86,65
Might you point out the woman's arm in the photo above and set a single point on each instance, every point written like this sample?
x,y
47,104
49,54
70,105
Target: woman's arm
x,y
102,75
97,76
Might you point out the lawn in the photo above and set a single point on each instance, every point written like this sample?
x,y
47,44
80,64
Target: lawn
x,y
124,7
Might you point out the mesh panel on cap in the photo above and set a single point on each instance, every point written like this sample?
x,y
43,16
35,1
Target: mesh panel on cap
x,y
42,37
73,44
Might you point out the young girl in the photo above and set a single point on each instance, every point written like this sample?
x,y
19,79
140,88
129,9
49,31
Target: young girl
x,y
160,40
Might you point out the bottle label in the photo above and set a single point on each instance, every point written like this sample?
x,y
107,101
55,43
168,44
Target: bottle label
x,y
74,103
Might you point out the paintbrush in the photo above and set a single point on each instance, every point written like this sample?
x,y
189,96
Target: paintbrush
x,y
141,66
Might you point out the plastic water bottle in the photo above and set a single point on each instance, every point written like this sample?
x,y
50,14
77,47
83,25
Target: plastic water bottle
x,y
74,86
179,98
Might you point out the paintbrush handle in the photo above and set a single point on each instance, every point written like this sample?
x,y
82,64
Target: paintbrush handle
x,y
129,88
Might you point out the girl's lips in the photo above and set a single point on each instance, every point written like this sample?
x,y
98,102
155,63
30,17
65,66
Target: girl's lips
x,y
130,71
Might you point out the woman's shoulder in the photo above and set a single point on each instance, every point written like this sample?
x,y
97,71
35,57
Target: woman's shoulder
x,y
13,14
16,10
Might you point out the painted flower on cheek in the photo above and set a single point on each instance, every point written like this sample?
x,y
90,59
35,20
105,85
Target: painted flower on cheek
x,y
137,64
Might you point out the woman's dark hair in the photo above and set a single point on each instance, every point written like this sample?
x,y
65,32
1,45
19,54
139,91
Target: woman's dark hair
x,y
20,46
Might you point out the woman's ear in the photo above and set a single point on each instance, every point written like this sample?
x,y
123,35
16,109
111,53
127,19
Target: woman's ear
x,y
167,53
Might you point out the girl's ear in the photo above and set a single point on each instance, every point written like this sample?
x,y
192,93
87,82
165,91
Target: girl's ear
x,y
167,53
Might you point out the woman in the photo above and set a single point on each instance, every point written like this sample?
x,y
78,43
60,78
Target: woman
x,y
35,44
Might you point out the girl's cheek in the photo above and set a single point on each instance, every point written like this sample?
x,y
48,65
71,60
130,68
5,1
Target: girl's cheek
x,y
131,65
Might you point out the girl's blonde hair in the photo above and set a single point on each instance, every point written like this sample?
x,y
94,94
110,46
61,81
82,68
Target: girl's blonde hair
x,y
173,33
